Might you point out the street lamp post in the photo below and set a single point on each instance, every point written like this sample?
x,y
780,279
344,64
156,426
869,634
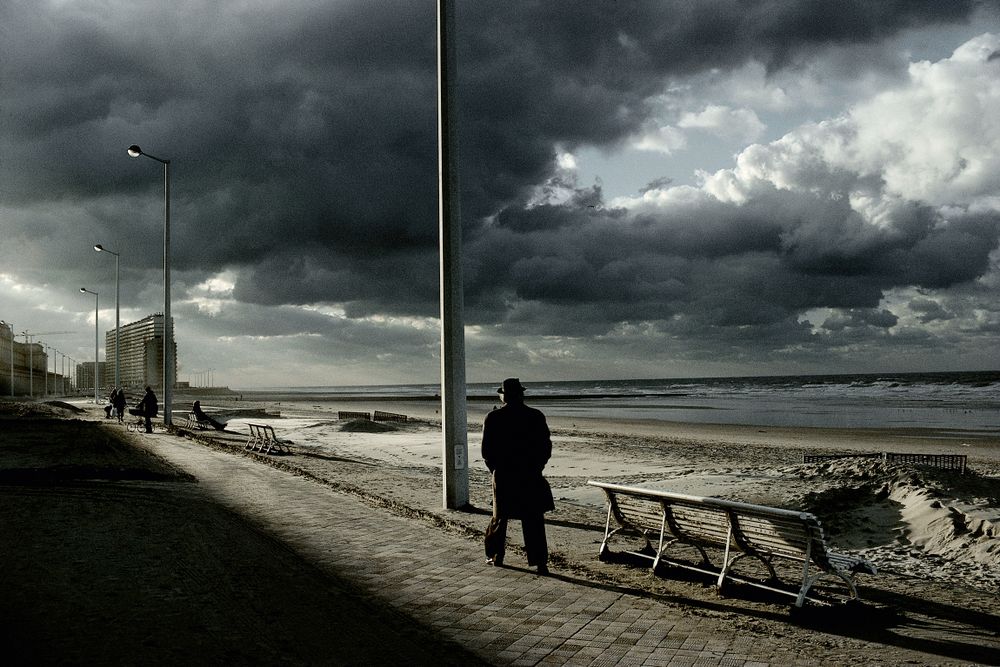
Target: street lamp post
x,y
118,357
29,341
168,337
454,427
96,371
11,327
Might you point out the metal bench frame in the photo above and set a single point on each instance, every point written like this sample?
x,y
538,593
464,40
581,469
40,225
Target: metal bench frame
x,y
192,421
263,439
740,529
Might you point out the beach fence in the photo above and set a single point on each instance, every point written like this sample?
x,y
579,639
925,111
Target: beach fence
x,y
389,417
379,416
947,461
819,458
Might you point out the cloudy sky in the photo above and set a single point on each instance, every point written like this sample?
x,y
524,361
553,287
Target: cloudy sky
x,y
649,189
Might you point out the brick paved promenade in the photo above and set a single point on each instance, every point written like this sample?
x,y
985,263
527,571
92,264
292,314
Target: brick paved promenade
x,y
332,580
506,615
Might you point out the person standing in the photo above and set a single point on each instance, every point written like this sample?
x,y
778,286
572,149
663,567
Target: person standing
x,y
148,408
516,447
119,402
110,406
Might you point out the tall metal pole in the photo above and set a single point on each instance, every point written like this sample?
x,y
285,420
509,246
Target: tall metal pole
x,y
45,375
454,424
118,358
118,324
11,327
97,373
31,363
168,334
97,367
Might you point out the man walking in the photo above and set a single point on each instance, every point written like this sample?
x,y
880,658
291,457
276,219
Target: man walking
x,y
516,447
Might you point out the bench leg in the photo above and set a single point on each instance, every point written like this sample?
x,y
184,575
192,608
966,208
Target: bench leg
x,y
603,555
808,581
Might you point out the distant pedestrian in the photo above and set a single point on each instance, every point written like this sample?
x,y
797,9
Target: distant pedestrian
x,y
110,406
148,408
516,447
119,402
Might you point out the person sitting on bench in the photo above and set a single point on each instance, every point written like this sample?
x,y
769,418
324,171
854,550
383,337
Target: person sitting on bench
x,y
202,417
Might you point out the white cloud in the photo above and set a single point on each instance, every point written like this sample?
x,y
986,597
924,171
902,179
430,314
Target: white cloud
x,y
933,140
566,161
665,139
725,122
937,139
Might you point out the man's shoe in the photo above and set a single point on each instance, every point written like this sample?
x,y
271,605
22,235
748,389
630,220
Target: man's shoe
x,y
496,561
543,570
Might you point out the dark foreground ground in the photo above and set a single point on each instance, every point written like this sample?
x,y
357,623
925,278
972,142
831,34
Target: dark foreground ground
x,y
112,556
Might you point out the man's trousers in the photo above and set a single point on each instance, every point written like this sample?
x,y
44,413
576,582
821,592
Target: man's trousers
x,y
533,529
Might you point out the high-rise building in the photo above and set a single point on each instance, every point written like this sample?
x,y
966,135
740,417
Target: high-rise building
x,y
141,353
85,376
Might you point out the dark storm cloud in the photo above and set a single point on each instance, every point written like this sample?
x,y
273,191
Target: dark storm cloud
x,y
539,74
304,159
746,268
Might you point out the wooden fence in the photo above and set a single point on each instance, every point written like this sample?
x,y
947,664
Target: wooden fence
x,y
947,461
354,415
389,417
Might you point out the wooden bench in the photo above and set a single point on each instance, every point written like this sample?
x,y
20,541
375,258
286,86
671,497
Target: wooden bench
x,y
739,529
263,439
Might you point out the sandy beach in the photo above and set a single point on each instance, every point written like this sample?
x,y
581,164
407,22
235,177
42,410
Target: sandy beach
x,y
933,534
927,523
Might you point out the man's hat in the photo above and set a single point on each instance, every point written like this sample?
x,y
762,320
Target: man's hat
x,y
511,386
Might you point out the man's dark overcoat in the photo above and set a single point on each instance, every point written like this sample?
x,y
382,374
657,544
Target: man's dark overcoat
x,y
148,406
516,447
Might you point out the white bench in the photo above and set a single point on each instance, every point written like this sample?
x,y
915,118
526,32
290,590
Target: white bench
x,y
739,529
263,439
192,421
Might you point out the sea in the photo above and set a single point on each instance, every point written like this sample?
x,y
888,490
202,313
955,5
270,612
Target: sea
x,y
967,403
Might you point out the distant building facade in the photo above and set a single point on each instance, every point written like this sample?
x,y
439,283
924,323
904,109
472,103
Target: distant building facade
x,y
85,376
141,353
29,363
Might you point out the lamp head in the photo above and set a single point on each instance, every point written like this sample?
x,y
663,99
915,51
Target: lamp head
x,y
134,151
99,247
83,289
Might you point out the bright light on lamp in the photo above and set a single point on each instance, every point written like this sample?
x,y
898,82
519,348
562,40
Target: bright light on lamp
x,y
134,151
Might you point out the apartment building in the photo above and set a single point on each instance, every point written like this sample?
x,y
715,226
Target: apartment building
x,y
141,353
